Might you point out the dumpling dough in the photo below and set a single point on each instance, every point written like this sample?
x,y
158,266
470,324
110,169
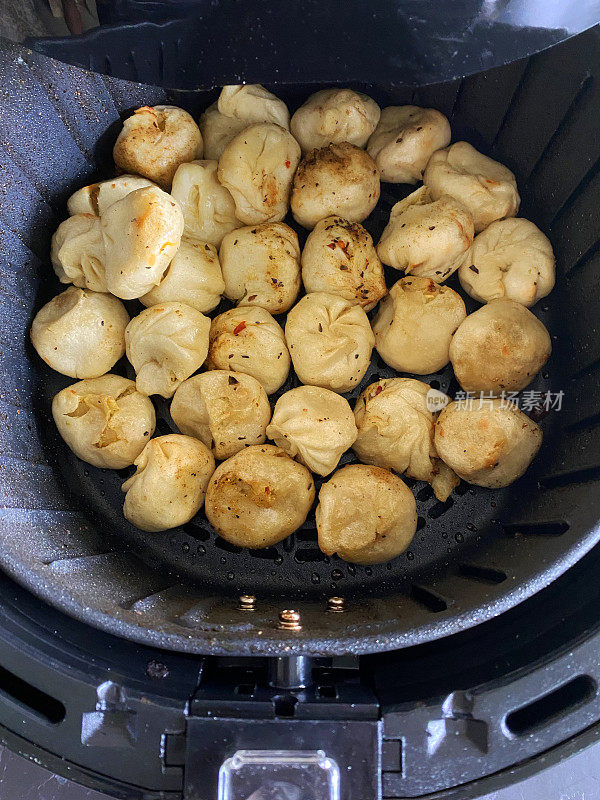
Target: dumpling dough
x,y
97,197
251,102
415,324
218,130
335,115
339,258
208,208
395,430
340,180
155,140
330,341
257,167
226,410
261,266
511,258
367,515
166,344
500,347
193,277
141,234
80,333
105,421
313,425
490,444
259,496
404,141
248,339
168,487
488,189
427,237
77,253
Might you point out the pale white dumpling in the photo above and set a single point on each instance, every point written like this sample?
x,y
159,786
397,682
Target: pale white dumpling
x,y
404,141
335,115
330,341
80,333
251,102
510,259
257,167
367,515
169,484
313,425
105,421
166,344
261,266
488,189
155,140
339,258
415,323
248,339
427,237
488,443
193,277
97,197
226,410
77,253
259,496
218,130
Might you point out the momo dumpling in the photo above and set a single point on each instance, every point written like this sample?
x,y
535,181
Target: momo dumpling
x,y
251,102
330,341
415,323
226,410
105,421
166,344
335,116
488,443
488,189
259,496
247,339
258,167
97,197
261,266
426,237
80,333
218,130
77,253
366,515
169,484
339,258
155,140
510,259
193,277
501,347
313,425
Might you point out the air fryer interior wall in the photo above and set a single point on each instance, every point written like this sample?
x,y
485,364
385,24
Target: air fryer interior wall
x,y
478,554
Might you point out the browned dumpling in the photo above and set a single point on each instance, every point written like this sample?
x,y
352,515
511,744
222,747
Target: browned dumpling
x,y
251,102
77,253
97,197
335,116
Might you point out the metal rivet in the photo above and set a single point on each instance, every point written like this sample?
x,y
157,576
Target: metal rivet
x,y
336,605
247,602
289,620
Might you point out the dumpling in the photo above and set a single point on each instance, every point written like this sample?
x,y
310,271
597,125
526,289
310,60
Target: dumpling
x,y
257,167
510,259
141,234
426,237
155,140
105,421
193,277
330,341
218,130
340,180
248,339
97,197
488,189
501,347
261,266
334,116
169,484
313,425
226,410
251,102
415,323
166,344
367,515
339,258
80,333
259,496
395,430
77,253
404,141
490,443
208,208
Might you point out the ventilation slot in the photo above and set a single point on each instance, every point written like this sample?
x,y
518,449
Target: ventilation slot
x,y
268,553
196,532
308,554
486,574
567,478
436,510
551,706
31,698
433,602
223,544
536,528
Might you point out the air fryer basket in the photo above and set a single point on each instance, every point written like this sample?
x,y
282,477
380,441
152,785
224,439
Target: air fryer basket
x,y
61,527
